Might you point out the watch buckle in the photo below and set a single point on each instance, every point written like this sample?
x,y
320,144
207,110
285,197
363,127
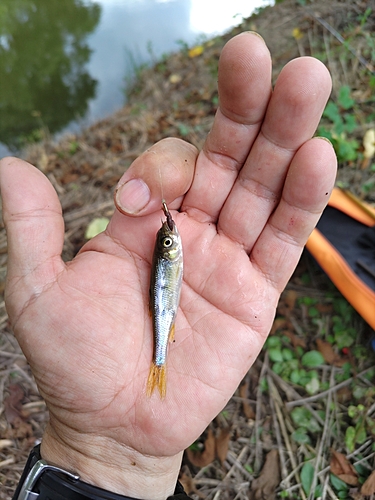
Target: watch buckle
x,y
41,466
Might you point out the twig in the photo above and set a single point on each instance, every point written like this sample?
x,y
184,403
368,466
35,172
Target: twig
x,y
320,395
6,462
29,379
351,455
370,410
323,439
294,394
257,461
364,460
207,482
342,40
237,463
6,354
84,211
278,403
284,470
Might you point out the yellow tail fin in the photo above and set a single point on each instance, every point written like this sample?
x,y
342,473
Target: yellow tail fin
x,y
157,378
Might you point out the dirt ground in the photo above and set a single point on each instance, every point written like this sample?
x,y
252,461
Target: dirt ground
x,y
178,97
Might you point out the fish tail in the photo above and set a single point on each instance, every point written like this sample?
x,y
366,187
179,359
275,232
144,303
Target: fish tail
x,y
157,378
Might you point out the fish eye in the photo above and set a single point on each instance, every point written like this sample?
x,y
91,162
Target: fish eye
x,y
167,242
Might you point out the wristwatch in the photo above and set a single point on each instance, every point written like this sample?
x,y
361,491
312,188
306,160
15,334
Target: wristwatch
x,y
41,481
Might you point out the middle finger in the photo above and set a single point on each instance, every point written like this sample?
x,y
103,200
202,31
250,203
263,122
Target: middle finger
x,y
292,116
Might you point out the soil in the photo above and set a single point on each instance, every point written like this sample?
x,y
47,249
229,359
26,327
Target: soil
x,y
178,97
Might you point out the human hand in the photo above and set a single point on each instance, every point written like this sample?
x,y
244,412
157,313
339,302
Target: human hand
x,y
244,206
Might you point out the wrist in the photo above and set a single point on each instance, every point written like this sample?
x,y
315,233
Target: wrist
x,y
102,462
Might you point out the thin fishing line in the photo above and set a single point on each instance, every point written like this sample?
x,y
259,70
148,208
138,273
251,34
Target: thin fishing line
x,y
161,185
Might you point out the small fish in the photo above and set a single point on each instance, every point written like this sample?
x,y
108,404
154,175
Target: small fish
x,y
165,288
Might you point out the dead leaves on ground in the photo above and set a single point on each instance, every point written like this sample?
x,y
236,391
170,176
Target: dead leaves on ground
x,y
344,470
247,408
214,446
14,413
368,487
264,487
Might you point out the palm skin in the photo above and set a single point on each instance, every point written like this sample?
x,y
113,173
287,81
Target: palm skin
x,y
244,207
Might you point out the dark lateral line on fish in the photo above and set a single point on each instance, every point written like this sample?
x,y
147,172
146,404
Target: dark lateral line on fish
x,y
167,215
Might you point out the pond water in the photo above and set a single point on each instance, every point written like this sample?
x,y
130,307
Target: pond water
x,y
65,63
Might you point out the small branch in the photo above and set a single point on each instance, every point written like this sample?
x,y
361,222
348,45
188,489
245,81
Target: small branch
x,y
320,395
342,40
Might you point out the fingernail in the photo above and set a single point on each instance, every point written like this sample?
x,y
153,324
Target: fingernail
x,y
324,139
133,196
249,32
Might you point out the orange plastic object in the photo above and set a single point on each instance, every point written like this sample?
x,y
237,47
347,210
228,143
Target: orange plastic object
x,y
360,296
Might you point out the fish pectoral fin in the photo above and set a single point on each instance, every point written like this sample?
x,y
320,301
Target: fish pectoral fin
x,y
171,333
157,378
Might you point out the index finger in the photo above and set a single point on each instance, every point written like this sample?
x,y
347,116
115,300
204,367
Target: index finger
x,y
244,90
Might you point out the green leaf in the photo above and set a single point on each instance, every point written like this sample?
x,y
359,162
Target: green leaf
x,y
278,367
307,476
273,341
303,418
313,312
95,227
275,354
342,495
183,129
332,112
338,484
287,354
350,438
344,98
295,377
249,469
313,386
312,359
347,150
300,436
350,123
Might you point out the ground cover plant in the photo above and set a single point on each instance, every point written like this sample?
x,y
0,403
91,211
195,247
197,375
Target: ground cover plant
x,y
301,424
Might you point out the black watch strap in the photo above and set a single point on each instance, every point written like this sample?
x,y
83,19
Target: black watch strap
x,y
40,481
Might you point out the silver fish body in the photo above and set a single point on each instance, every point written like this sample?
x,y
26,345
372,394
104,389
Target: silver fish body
x,y
165,288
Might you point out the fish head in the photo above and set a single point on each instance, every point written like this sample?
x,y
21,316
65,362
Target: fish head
x,y
168,243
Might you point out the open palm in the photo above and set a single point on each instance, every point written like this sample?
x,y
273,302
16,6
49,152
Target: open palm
x,y
244,207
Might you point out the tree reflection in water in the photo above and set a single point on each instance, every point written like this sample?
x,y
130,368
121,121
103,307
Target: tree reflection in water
x,y
43,53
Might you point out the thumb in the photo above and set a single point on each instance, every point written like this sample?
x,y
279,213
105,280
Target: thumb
x,y
35,229
165,170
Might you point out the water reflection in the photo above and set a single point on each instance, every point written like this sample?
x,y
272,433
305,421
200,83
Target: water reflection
x,y
63,63
43,52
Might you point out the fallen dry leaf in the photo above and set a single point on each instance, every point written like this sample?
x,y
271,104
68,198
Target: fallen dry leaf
x,y
295,340
279,324
175,78
342,468
368,487
264,487
222,444
201,459
290,297
187,482
13,403
324,308
369,143
247,408
354,494
297,33
344,395
14,413
328,353
196,51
